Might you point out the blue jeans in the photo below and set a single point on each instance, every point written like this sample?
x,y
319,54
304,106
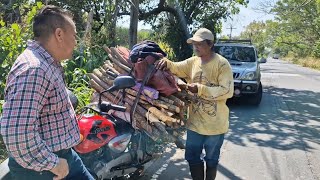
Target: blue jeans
x,y
77,170
197,142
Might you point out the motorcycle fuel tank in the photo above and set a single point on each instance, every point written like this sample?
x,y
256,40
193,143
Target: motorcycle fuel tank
x,y
95,132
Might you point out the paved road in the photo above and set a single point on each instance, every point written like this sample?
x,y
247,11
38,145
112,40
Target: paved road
x,y
278,140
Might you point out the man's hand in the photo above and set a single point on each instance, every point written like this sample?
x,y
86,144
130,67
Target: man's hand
x,y
161,64
193,88
61,170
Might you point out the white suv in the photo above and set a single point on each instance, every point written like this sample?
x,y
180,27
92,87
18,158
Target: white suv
x,y
243,58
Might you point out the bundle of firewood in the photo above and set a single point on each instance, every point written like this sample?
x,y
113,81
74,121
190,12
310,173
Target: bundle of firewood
x,y
154,115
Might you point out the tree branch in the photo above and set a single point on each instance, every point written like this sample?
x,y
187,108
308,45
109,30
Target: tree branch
x,y
157,11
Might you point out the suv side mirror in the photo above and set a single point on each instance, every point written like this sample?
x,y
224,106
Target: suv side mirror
x,y
263,60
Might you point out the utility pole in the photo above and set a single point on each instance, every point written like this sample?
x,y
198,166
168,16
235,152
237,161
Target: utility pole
x,y
231,28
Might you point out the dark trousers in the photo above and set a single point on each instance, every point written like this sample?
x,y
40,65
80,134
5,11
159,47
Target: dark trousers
x,y
197,142
77,170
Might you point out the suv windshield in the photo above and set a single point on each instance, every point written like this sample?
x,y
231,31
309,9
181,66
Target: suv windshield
x,y
236,53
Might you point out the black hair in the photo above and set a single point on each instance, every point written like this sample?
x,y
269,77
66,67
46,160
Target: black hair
x,y
48,20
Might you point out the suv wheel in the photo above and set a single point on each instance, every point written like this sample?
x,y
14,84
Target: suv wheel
x,y
256,98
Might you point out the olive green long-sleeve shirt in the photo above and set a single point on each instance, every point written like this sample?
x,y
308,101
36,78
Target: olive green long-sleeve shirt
x,y
210,114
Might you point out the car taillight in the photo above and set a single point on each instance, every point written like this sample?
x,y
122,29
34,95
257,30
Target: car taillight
x,y
120,143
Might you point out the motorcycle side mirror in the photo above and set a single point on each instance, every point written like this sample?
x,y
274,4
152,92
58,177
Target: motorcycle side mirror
x,y
120,82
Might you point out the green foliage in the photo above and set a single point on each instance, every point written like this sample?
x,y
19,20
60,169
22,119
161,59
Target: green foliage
x,y
76,69
294,31
80,87
13,40
1,104
166,48
256,31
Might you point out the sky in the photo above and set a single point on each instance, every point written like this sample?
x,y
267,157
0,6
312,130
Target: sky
x,y
245,17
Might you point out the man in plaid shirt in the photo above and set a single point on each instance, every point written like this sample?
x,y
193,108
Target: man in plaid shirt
x,y
38,124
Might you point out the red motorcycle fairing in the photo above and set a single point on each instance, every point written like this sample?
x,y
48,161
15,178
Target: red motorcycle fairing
x,y
96,131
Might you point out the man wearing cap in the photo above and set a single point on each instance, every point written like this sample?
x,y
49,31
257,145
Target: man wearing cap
x,y
209,78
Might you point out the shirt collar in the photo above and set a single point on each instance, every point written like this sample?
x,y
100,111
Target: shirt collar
x,y
35,46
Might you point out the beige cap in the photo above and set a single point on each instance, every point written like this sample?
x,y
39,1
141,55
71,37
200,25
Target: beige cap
x,y
201,35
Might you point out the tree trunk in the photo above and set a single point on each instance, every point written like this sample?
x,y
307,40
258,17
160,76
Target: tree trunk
x,y
113,25
133,30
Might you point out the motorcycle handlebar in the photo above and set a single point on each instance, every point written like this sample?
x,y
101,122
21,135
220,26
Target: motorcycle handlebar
x,y
106,106
118,108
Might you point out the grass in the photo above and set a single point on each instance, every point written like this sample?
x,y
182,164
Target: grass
x,y
310,62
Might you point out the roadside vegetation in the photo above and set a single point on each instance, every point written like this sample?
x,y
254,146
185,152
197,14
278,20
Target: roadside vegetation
x,y
293,34
310,62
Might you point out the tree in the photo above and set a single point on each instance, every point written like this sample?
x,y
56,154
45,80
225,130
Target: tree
x,y
299,24
256,31
133,30
175,20
294,30
105,14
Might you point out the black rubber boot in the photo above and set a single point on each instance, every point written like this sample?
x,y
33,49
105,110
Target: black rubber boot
x,y
211,173
197,171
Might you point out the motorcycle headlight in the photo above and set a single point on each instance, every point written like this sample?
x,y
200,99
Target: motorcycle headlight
x,y
249,76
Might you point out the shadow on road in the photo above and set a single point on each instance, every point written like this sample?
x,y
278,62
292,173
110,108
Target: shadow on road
x,y
288,117
171,165
227,173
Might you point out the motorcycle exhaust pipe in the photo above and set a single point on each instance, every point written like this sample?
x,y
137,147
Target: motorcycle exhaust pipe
x,y
102,169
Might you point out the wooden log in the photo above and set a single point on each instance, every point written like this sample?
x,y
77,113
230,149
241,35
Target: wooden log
x,y
156,122
148,91
99,74
168,120
134,93
108,73
107,67
163,117
142,123
185,95
119,69
116,62
140,100
155,133
176,100
140,120
95,85
115,53
167,100
160,115
125,54
165,105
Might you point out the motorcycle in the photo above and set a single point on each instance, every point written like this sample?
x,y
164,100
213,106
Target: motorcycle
x,y
110,147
